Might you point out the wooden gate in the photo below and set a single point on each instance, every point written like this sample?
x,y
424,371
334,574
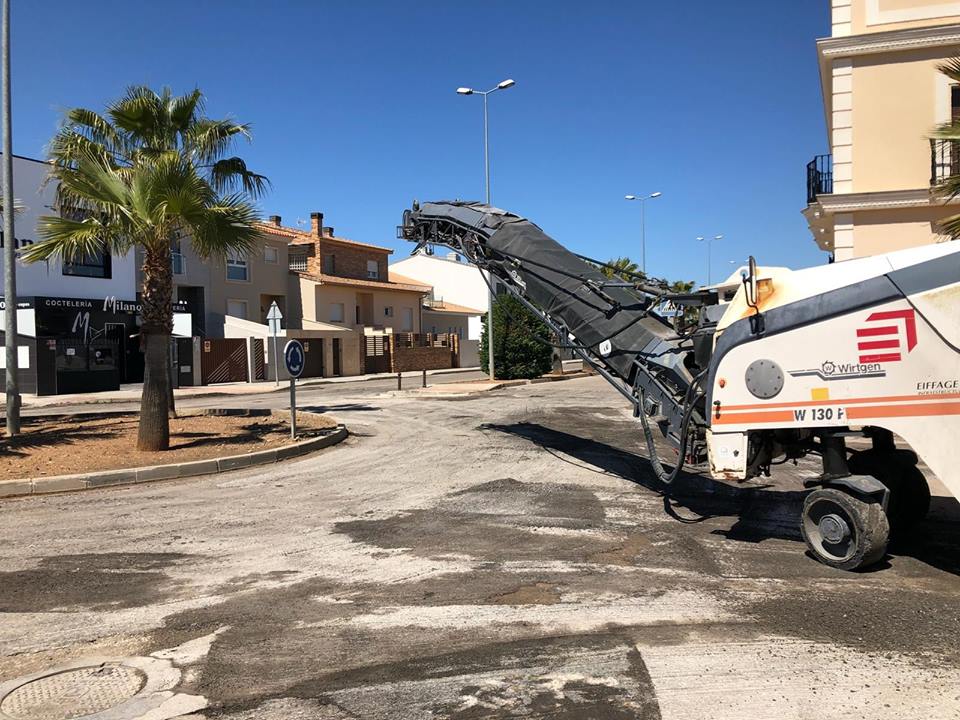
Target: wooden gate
x,y
337,352
313,365
223,360
377,357
259,370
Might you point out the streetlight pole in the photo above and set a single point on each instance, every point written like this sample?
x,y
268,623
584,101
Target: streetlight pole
x,y
709,242
10,242
486,176
643,225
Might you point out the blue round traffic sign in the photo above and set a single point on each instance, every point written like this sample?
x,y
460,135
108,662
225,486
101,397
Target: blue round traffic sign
x,y
294,357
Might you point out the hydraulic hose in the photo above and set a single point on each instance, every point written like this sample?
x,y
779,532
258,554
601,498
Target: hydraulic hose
x,y
690,404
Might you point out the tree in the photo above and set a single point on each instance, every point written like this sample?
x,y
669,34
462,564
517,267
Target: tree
x,y
949,187
621,268
150,170
520,345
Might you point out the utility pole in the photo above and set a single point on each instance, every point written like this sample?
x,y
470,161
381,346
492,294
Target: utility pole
x,y
10,242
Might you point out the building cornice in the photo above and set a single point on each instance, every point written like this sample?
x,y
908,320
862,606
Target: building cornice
x,y
889,41
888,200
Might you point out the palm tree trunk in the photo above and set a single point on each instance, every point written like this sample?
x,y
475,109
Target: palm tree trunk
x,y
154,431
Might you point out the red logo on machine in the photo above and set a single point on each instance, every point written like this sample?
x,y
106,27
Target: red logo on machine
x,y
880,343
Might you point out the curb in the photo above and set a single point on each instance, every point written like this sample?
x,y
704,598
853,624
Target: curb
x,y
132,476
306,382
499,385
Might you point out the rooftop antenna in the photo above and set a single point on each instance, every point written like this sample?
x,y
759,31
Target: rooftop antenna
x,y
301,221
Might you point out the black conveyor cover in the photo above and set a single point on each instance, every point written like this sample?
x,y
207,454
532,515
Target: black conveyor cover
x,y
522,251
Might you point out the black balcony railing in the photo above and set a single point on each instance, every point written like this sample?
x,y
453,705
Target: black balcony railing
x,y
819,177
944,160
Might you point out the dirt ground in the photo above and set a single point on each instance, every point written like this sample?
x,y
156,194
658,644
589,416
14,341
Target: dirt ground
x,y
505,555
89,443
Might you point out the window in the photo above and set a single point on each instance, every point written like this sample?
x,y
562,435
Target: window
x,y
237,309
271,254
329,265
373,270
237,268
95,265
388,311
407,325
336,312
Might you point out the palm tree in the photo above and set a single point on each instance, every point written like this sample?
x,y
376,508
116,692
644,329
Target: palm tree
x,y
153,168
621,268
949,187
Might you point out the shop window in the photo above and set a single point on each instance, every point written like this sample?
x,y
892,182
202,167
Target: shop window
x,y
98,264
237,309
237,267
271,254
336,312
373,270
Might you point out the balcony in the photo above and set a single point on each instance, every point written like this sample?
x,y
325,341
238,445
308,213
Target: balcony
x,y
179,263
819,177
944,160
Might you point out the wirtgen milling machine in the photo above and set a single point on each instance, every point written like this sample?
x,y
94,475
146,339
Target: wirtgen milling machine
x,y
793,365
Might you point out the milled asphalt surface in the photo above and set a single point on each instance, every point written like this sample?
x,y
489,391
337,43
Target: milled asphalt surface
x,y
494,557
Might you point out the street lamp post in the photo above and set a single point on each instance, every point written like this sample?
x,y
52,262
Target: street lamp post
x,y
10,244
709,241
643,225
508,83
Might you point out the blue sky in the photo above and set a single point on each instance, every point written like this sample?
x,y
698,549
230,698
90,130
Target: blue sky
x,y
354,110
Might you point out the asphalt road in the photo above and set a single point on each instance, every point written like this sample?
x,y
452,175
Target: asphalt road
x,y
498,557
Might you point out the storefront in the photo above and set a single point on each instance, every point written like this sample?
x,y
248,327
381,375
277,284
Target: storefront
x,y
71,345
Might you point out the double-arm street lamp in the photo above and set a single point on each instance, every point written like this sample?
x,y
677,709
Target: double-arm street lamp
x,y
643,225
709,241
508,83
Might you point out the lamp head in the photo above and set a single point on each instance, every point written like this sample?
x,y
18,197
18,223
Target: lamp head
x,y
656,194
464,91
629,197
509,82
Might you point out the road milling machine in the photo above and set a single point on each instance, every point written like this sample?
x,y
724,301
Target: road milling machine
x,y
795,363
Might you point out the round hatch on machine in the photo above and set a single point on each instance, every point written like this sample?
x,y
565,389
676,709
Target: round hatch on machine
x,y
764,379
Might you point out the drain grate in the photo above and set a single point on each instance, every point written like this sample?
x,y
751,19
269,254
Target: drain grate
x,y
73,693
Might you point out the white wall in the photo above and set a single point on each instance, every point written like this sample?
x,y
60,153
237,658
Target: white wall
x,y
455,282
47,279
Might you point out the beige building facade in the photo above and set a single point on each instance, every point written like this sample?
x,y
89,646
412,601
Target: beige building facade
x,y
882,97
341,282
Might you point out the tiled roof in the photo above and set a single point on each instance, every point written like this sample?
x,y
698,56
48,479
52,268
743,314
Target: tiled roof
x,y
452,309
299,236
357,282
397,277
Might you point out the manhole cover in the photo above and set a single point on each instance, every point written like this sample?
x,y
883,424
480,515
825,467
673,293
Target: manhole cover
x,y
74,693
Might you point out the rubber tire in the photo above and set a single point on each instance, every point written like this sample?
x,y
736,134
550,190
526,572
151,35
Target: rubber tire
x,y
909,492
871,529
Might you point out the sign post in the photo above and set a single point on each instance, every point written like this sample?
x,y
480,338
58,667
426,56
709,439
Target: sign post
x,y
294,359
274,316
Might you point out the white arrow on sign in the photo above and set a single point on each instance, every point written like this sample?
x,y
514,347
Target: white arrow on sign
x,y
274,312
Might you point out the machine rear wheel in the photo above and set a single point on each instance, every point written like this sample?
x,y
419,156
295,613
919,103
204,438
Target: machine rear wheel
x,y
842,531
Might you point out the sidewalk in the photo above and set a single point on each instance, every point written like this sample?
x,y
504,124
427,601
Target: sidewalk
x,y
128,393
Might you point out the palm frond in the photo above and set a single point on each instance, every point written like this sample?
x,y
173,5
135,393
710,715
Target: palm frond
x,y
947,131
231,175
184,109
950,226
228,225
209,140
69,239
140,114
950,68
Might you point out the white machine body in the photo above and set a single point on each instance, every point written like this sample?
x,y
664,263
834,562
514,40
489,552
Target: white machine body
x,y
893,363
